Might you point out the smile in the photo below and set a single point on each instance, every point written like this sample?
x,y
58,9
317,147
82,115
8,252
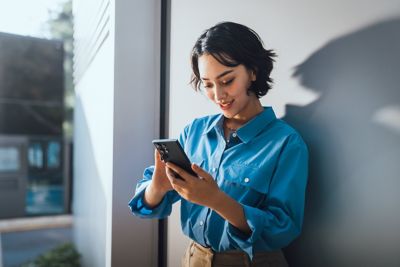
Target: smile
x,y
226,105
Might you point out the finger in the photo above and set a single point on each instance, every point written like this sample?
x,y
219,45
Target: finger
x,y
157,158
174,178
180,191
181,172
177,184
156,155
170,174
201,173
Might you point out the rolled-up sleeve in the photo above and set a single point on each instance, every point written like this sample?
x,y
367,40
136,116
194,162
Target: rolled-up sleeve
x,y
279,219
164,208
139,208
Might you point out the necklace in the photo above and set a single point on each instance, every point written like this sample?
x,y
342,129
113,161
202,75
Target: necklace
x,y
229,131
229,128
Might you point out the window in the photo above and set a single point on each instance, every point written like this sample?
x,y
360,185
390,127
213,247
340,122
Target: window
x,y
53,155
9,159
35,156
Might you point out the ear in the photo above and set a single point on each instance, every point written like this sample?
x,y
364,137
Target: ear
x,y
253,75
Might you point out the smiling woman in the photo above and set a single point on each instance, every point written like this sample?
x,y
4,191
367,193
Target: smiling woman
x,y
250,203
230,91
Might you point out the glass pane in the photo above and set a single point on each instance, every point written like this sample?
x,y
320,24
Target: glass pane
x,y
45,188
9,159
53,155
35,156
44,199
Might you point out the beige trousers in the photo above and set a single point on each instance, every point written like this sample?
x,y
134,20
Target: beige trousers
x,y
198,256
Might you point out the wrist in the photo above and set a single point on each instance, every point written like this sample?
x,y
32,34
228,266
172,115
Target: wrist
x,y
158,183
216,200
155,190
152,196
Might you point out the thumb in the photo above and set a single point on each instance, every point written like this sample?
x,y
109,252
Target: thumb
x,y
157,158
200,172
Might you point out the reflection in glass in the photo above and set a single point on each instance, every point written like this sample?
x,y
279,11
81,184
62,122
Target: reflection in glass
x,y
35,156
44,199
53,155
9,159
45,188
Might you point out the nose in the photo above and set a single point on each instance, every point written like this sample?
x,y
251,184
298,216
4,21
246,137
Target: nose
x,y
219,94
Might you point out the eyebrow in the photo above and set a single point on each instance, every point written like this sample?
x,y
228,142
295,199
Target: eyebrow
x,y
220,75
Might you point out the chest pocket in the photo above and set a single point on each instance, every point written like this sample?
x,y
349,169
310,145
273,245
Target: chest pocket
x,y
247,184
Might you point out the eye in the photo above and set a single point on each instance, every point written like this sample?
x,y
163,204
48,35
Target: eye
x,y
228,82
207,86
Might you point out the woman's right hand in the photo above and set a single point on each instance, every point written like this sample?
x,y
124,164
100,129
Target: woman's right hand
x,y
159,185
160,181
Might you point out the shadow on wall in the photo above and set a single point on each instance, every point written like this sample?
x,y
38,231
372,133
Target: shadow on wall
x,y
352,213
89,196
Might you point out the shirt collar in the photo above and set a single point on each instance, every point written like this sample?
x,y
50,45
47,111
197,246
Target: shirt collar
x,y
214,124
252,128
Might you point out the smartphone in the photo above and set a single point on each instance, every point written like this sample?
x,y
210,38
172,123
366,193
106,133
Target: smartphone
x,y
171,151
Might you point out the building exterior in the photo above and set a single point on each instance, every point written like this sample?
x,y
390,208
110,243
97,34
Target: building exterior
x,y
33,163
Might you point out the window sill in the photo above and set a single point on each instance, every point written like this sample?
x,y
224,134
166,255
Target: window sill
x,y
35,223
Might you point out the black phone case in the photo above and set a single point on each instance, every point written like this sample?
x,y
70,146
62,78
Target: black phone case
x,y
171,151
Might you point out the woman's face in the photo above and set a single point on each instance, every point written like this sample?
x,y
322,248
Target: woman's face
x,y
227,87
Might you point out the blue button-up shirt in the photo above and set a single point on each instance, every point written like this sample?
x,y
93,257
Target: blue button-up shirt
x,y
263,165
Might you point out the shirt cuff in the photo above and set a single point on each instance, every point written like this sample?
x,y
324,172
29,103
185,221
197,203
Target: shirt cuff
x,y
255,218
139,208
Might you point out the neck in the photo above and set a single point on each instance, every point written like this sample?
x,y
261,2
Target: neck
x,y
253,109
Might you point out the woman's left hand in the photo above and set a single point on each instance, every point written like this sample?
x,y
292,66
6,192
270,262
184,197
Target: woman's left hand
x,y
202,190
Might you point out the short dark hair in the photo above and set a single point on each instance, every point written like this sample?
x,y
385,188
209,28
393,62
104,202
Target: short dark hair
x,y
233,44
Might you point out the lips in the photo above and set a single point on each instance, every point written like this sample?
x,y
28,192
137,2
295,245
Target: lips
x,y
226,105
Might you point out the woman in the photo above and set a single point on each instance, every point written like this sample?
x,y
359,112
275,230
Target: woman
x,y
250,200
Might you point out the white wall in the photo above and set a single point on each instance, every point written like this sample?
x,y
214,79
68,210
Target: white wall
x,y
116,75
93,131
136,124
344,100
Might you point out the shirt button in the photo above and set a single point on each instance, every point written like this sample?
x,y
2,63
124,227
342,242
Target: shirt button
x,y
201,223
214,169
246,180
234,134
